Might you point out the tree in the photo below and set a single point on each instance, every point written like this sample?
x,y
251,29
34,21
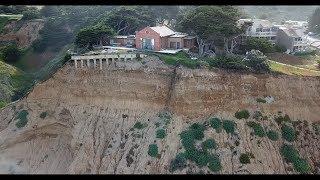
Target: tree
x,y
11,53
314,21
213,26
257,61
128,19
163,13
260,44
32,13
91,35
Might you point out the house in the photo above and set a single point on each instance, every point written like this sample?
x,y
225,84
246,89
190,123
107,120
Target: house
x,y
291,39
259,28
162,37
123,41
303,25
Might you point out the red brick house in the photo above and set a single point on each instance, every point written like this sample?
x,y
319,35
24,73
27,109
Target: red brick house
x,y
162,37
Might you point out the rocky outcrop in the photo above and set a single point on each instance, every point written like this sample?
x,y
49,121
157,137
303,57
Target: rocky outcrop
x,y
83,121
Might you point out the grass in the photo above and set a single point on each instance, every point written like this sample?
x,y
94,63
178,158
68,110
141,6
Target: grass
x,y
292,70
243,114
3,104
161,133
22,119
180,58
153,150
257,128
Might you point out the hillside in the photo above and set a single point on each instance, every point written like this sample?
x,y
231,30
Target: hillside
x,y
12,81
280,13
91,121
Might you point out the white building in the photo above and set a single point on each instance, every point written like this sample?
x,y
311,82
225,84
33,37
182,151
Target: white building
x,y
259,28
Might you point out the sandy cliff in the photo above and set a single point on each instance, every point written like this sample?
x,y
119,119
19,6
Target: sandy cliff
x,y
90,115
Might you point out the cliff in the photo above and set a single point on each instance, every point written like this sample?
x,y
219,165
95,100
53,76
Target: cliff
x,y
85,121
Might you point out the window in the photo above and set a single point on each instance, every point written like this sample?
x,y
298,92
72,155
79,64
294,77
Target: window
x,y
258,29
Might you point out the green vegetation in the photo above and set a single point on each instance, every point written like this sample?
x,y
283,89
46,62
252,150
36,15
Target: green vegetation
x,y
260,100
153,150
281,119
273,135
2,104
216,124
22,119
201,157
43,115
260,44
234,62
291,70
181,58
288,133
139,125
244,158
179,163
161,133
215,164
229,126
11,53
209,144
243,114
165,117
257,128
292,156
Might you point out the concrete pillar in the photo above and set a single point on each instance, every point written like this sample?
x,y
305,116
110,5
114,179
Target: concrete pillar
x,y
88,62
75,63
81,63
100,64
95,63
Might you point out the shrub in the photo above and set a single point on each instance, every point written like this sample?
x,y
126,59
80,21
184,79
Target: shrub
x,y
43,115
216,123
153,150
260,100
11,53
288,133
197,130
30,14
257,128
301,165
199,157
280,119
244,158
214,163
273,135
22,116
257,61
2,104
139,125
161,133
292,155
187,139
227,62
180,162
229,126
209,144
257,115
243,114
262,45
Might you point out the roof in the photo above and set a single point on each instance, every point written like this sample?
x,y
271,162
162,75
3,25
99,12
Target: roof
x,y
290,32
178,35
121,37
163,30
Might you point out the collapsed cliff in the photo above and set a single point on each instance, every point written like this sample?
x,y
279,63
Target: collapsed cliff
x,y
103,121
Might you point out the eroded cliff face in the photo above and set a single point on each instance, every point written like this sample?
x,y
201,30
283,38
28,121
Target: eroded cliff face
x,y
88,126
